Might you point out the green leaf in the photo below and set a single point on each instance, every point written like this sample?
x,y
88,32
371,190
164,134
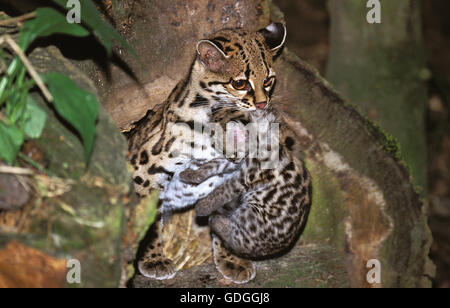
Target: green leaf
x,y
47,22
91,17
35,118
78,107
11,139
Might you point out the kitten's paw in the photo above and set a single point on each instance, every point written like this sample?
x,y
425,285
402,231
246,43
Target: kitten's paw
x,y
221,225
203,207
190,176
232,267
159,269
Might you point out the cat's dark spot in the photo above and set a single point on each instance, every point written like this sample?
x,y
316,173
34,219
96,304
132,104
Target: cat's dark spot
x,y
229,265
290,142
134,159
144,158
138,180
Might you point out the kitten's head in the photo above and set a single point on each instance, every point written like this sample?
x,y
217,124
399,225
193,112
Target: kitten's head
x,y
237,66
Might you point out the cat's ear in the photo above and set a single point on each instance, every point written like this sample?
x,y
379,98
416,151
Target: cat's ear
x,y
274,35
212,56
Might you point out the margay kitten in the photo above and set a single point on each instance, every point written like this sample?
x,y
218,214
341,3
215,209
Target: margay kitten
x,y
261,210
234,68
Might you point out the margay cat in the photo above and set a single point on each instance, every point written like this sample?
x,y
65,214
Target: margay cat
x,y
234,69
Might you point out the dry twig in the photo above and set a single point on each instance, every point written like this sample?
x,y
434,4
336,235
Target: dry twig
x,y
17,20
16,170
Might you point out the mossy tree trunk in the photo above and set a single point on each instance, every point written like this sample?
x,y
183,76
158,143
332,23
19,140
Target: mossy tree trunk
x,y
381,68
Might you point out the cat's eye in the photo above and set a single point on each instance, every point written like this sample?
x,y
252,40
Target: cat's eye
x,y
240,84
269,82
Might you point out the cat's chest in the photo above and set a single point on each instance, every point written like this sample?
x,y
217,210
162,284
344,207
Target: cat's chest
x,y
191,144
187,141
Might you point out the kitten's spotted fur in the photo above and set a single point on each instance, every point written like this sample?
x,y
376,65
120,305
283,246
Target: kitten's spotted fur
x,y
259,212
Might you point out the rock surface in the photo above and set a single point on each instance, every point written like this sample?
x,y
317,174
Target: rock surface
x,y
78,212
305,266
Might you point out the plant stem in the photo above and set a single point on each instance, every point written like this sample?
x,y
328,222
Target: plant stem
x,y
26,86
36,165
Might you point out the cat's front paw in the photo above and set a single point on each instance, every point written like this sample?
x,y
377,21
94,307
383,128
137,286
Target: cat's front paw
x,y
159,269
238,271
190,176
232,267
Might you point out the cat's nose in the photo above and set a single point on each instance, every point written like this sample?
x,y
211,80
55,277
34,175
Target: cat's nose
x,y
261,105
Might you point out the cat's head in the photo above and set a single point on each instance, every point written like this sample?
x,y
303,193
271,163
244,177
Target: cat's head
x,y
237,66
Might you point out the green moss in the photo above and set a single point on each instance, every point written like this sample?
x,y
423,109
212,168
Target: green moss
x,y
389,142
145,213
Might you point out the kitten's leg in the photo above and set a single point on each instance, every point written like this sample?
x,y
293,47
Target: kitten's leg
x,y
154,264
206,170
232,267
250,233
240,233
222,195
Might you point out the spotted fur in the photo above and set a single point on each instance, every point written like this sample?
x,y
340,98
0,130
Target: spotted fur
x,y
263,208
